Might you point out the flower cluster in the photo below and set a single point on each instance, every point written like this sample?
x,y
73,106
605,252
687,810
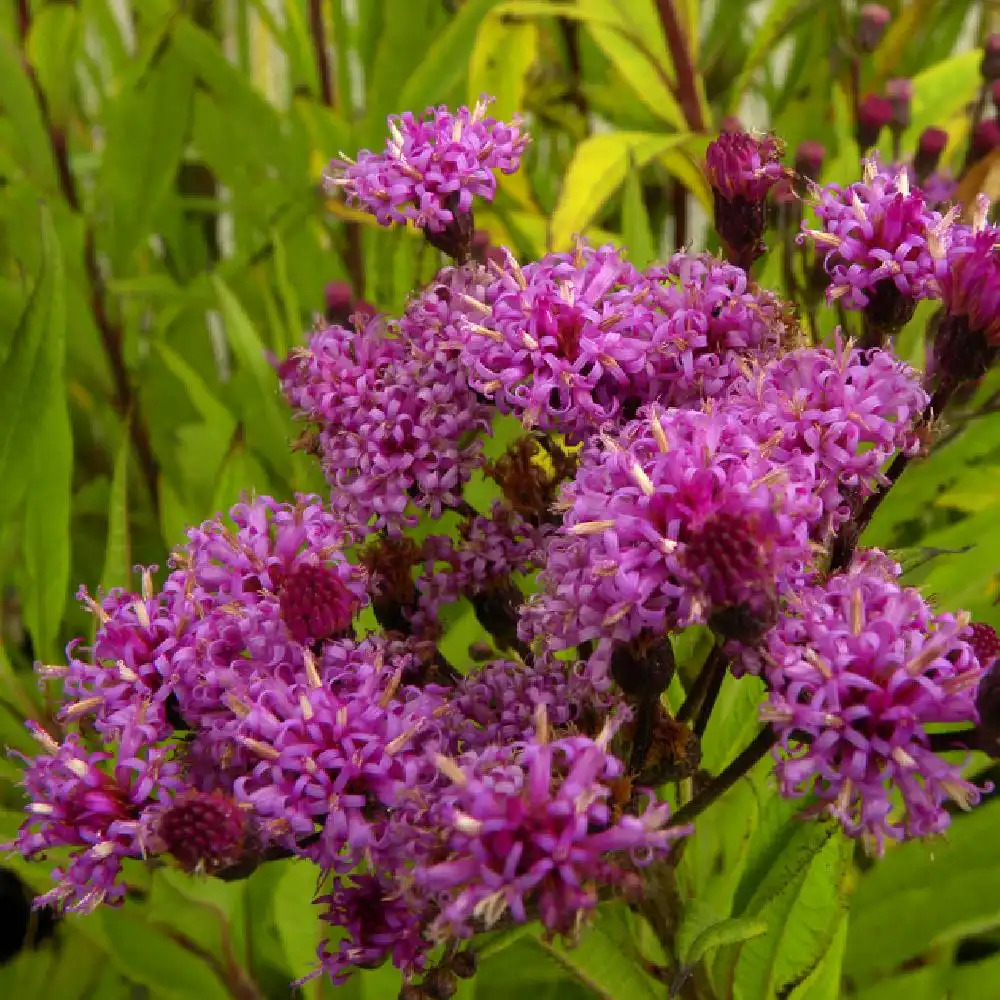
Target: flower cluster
x,y
397,425
432,167
858,669
671,450
883,245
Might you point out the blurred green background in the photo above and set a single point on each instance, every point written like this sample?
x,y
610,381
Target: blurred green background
x,y
163,230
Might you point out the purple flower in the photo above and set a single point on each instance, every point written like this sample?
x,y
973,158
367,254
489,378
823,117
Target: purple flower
x,y
380,923
556,341
334,754
882,245
498,705
99,805
844,410
432,167
397,424
678,517
968,337
128,679
539,833
710,322
857,669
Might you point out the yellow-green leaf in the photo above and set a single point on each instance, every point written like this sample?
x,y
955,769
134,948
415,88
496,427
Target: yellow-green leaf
x,y
597,170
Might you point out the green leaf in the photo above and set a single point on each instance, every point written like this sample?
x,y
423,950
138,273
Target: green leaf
x,y
735,930
117,550
606,959
942,91
31,367
267,421
147,127
27,141
52,48
636,229
925,893
638,67
598,168
780,16
47,536
153,958
504,52
802,903
445,63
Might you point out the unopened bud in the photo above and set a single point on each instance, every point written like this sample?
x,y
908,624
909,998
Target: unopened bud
x,y
873,19
985,138
464,964
900,95
809,159
990,65
874,113
929,149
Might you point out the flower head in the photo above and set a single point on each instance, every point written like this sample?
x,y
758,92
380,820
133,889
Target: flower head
x,y
398,426
880,239
555,341
539,833
678,517
433,166
858,669
968,338
844,410
100,805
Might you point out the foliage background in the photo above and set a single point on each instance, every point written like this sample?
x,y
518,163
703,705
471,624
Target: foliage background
x,y
163,231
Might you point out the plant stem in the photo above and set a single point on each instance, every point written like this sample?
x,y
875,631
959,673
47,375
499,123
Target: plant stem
x,y
112,339
702,684
686,87
740,766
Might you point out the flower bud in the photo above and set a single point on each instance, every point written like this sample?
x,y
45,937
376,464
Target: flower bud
x,y
873,19
929,149
990,65
874,113
985,138
900,95
464,964
742,169
809,159
341,304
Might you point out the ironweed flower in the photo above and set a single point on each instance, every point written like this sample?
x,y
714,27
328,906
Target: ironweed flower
x,y
881,241
432,168
858,668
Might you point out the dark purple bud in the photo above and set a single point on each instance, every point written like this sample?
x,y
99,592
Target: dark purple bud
x,y
990,65
985,644
809,159
873,19
742,168
203,831
995,94
929,149
900,95
874,113
315,604
464,964
643,667
985,138
341,304
440,984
